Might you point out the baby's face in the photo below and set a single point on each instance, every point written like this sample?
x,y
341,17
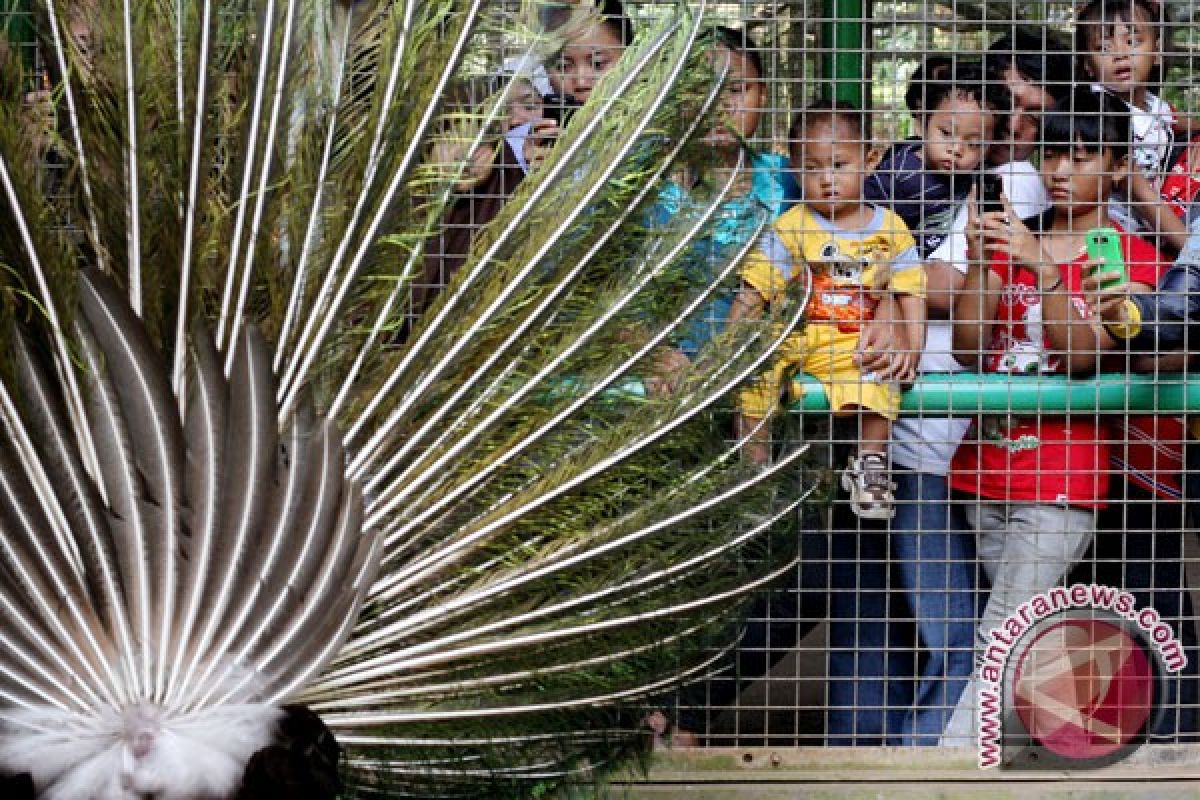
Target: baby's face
x,y
833,164
956,135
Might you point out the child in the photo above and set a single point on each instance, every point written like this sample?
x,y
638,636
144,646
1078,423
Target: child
x,y
925,180
858,255
1117,42
1039,480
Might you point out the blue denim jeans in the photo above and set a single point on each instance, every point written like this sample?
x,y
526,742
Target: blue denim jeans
x,y
902,619
1139,548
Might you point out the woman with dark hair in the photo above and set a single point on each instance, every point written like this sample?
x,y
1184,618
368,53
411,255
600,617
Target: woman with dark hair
x,y
499,166
592,46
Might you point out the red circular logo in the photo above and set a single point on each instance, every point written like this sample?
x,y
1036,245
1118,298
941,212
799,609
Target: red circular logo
x,y
1084,688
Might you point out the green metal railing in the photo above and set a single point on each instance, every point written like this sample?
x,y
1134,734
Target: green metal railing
x,y
969,393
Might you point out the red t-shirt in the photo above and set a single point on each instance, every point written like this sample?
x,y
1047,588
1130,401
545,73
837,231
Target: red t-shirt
x,y
1148,450
1181,183
1040,459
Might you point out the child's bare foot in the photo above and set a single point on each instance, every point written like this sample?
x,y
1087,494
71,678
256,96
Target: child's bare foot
x,y
756,453
867,480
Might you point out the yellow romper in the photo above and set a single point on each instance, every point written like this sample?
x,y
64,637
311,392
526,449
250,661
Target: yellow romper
x,y
844,265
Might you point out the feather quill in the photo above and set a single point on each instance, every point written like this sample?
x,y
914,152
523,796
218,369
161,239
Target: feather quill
x,y
326,313
47,420
467,546
191,199
155,441
251,443
126,513
205,434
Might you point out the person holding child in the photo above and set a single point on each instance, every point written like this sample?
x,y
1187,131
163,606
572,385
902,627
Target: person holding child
x,y
1119,49
857,256
903,608
1023,310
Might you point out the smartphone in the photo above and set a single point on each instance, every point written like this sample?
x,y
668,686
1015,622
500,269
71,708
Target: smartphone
x,y
990,189
1104,246
559,107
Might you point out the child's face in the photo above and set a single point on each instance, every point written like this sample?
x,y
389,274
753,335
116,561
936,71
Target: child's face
x,y
956,135
1078,179
524,104
584,61
1122,53
742,98
833,164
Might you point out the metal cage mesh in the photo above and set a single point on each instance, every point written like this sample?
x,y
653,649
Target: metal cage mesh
x,y
867,636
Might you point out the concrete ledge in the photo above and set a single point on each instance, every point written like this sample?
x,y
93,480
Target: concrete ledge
x,y
1155,771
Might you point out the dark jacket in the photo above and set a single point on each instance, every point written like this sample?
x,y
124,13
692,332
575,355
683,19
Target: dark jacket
x,y
447,251
1171,313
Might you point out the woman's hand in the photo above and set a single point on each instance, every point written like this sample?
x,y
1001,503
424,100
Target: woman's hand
x,y
877,335
667,367
883,350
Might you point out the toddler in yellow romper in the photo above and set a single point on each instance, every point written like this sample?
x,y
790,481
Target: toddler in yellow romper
x,y
855,254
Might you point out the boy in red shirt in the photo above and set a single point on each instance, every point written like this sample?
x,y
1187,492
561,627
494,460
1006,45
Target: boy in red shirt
x,y
1037,481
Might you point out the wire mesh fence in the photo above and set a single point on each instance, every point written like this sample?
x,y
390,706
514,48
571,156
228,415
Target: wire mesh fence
x,y
1044,441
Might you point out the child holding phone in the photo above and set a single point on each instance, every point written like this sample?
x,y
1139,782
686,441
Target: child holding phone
x,y
1023,310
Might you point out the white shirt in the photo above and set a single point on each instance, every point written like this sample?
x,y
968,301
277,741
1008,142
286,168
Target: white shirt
x,y
1152,131
516,139
927,443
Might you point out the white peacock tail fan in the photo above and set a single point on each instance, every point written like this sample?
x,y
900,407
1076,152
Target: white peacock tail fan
x,y
232,476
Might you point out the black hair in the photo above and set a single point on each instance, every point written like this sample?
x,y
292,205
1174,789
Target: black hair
x,y
1100,15
831,111
935,67
965,79
941,78
613,17
553,16
1087,119
740,41
1044,62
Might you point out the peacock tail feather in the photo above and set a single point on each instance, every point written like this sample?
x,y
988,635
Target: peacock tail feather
x,y
234,475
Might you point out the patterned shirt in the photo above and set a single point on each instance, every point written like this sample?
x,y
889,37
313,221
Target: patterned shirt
x,y
926,201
